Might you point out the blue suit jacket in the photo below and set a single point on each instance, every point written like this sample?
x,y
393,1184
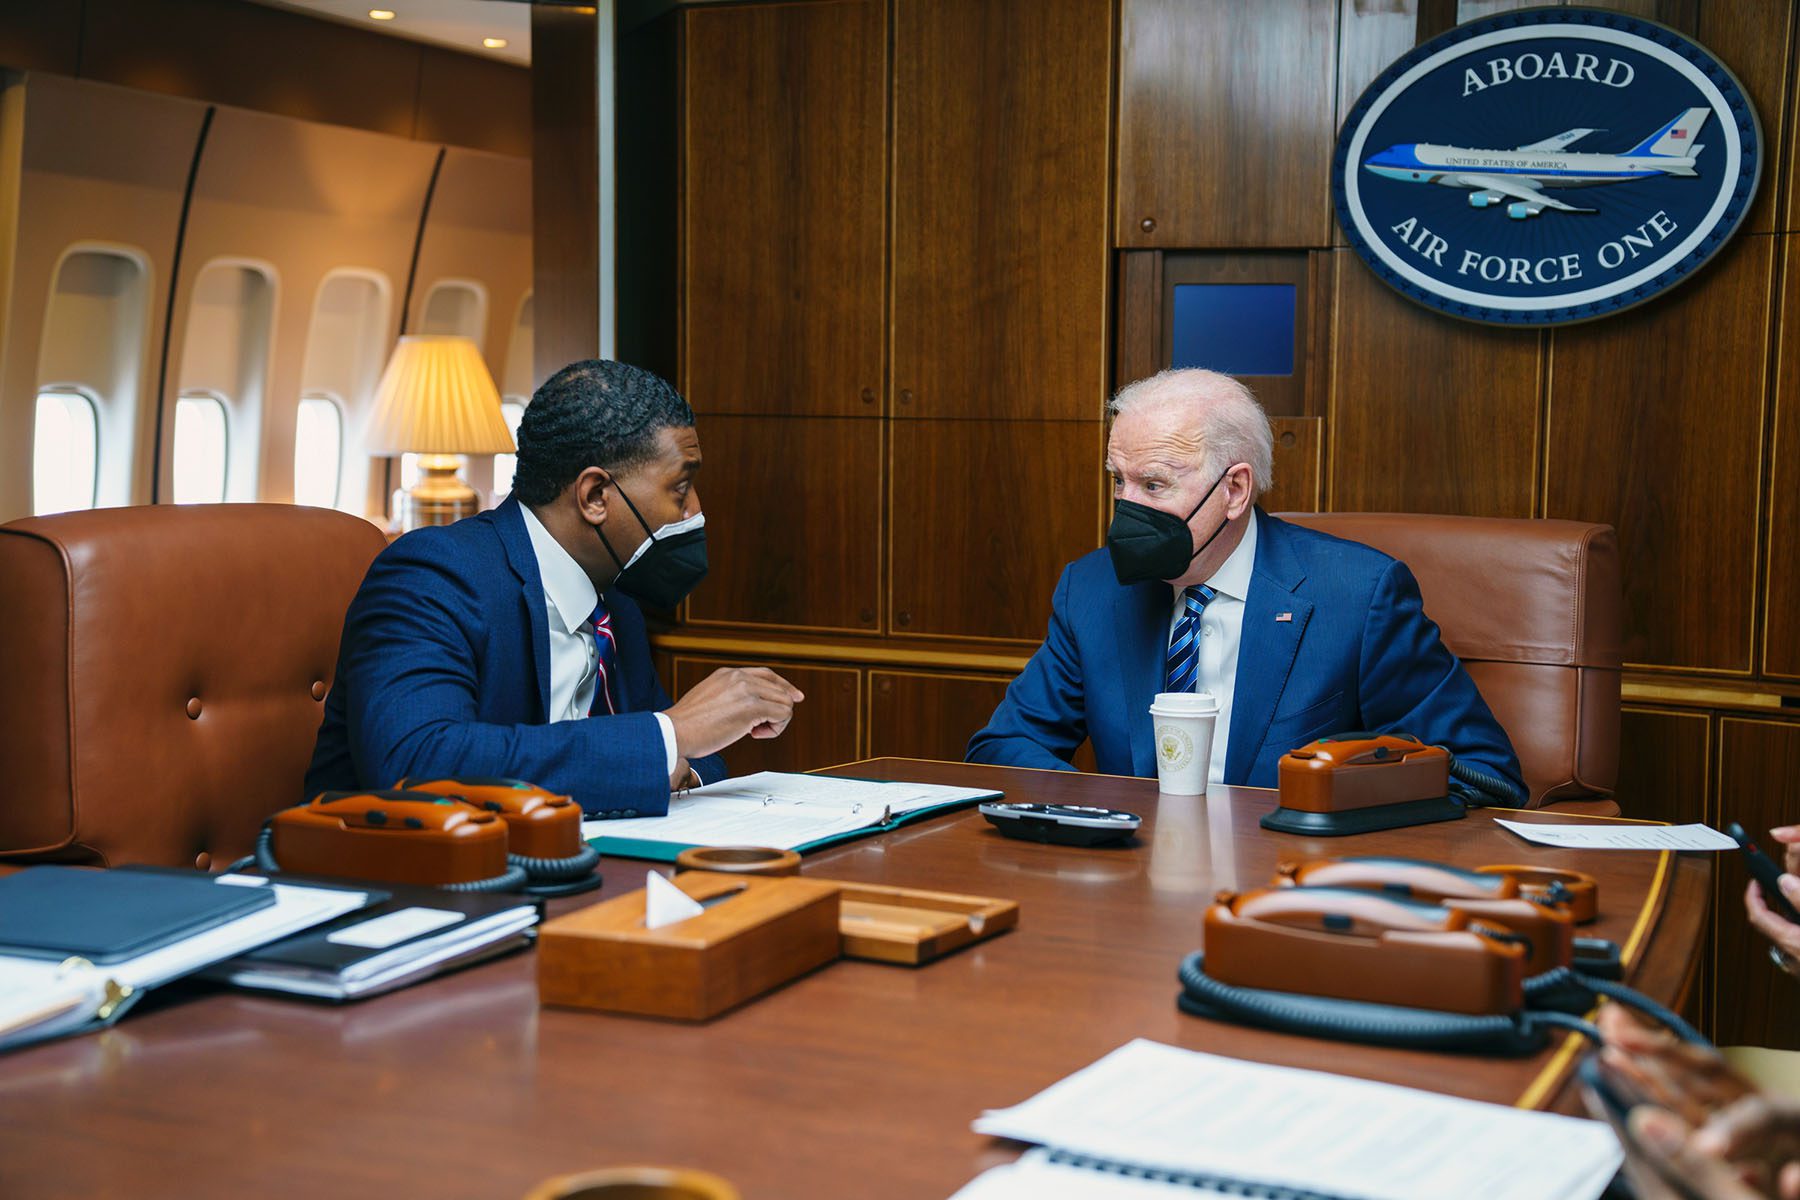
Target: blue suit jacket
x,y
1358,653
444,669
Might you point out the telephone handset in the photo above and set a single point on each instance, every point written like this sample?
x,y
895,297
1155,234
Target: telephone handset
x,y
1401,953
1362,782
1546,926
1359,945
393,835
543,829
487,835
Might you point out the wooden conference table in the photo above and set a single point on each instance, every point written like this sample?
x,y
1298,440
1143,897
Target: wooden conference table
x,y
859,1080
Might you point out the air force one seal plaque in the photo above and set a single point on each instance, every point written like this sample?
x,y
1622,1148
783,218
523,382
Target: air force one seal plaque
x,y
1546,166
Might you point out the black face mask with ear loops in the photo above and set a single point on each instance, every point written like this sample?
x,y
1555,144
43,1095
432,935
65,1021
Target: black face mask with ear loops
x,y
1147,543
669,563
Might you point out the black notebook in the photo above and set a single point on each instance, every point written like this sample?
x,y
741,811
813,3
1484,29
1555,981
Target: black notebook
x,y
109,916
414,933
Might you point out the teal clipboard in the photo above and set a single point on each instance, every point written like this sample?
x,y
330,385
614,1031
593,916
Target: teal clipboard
x,y
655,851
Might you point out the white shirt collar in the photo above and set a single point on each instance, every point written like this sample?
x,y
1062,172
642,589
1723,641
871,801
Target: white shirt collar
x,y
566,586
1233,576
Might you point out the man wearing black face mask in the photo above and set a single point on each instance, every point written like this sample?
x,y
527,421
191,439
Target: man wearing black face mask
x,y
511,644
1296,633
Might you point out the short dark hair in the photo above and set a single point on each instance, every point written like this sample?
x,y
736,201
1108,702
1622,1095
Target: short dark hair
x,y
593,413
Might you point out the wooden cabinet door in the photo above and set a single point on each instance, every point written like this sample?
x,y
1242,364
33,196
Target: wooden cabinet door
x,y
785,201
914,714
1000,218
827,725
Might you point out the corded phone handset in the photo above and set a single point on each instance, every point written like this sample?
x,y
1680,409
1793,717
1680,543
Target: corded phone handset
x,y
1403,953
1362,782
475,835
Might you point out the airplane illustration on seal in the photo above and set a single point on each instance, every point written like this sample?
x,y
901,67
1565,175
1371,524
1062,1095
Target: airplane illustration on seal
x,y
1521,175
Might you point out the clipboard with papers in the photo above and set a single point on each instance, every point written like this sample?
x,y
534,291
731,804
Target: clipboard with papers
x,y
802,813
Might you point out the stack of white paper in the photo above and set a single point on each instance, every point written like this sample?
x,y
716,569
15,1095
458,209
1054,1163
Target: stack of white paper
x,y
1212,1121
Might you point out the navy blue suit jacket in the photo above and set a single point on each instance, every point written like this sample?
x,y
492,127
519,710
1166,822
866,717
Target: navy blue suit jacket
x,y
1356,653
444,669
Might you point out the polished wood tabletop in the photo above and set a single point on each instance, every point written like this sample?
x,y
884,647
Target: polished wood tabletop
x,y
858,1080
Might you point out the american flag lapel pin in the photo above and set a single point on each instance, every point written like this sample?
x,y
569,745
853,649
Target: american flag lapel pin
x,y
1287,616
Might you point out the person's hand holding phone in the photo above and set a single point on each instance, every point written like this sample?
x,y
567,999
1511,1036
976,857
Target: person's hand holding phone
x,y
1691,1126
1777,926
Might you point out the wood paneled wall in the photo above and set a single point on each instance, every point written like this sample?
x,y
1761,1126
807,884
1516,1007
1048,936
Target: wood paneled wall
x,y
977,199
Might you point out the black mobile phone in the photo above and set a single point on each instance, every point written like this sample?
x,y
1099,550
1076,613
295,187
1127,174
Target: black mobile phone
x,y
1061,824
1766,873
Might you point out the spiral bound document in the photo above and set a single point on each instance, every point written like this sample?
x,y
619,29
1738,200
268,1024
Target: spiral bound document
x,y
1151,1120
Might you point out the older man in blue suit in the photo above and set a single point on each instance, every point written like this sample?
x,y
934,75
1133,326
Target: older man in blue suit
x,y
511,644
1297,633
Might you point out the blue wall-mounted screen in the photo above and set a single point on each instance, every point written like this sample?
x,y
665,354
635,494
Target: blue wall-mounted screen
x,y
1237,328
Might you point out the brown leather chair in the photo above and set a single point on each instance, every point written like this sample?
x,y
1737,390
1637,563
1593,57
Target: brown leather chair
x,y
1533,610
166,668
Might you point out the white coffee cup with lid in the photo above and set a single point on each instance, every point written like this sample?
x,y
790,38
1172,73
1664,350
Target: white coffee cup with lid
x,y
1182,727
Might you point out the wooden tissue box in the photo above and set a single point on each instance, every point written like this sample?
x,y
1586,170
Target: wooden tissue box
x,y
771,931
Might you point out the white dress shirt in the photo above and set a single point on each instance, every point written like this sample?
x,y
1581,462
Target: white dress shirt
x,y
569,600
1221,632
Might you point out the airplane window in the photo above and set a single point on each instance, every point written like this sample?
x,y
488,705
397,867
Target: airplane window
x,y
318,451
65,453
456,306
200,445
512,408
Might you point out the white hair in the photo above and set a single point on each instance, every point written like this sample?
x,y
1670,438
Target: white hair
x,y
1230,424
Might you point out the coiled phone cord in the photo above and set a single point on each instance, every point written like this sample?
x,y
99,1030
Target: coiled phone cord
x,y
1418,1028
509,880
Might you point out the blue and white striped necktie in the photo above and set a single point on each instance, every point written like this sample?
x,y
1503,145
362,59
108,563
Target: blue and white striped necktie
x,y
1184,649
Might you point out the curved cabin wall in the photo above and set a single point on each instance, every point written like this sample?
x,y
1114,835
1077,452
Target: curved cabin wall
x,y
94,167
294,260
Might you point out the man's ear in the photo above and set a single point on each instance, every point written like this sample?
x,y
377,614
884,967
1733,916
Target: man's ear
x,y
591,488
1240,487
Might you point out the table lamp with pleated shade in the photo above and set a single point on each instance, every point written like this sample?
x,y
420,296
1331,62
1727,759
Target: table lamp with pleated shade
x,y
437,399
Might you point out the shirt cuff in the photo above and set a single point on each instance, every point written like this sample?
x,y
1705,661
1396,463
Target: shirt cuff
x,y
671,755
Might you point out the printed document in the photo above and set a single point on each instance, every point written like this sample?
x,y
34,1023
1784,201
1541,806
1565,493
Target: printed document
x,y
774,808
1220,1121
1620,836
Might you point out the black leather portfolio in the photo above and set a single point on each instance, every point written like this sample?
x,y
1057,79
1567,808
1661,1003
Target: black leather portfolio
x,y
108,916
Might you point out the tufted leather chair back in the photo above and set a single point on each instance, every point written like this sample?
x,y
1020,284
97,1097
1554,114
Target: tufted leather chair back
x,y
165,672
1533,610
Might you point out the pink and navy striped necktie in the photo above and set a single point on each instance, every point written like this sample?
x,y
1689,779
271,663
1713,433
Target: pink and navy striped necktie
x,y
606,687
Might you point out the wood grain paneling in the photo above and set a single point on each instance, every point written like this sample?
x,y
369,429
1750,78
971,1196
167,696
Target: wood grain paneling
x,y
1664,773
1427,414
1781,603
1655,423
253,57
1140,338
984,515
1663,757
1759,787
918,715
1370,37
1000,215
467,100
785,116
565,189
826,728
1201,82
1298,441
793,512
1752,38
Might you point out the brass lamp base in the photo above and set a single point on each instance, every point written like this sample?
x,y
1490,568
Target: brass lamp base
x,y
439,497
